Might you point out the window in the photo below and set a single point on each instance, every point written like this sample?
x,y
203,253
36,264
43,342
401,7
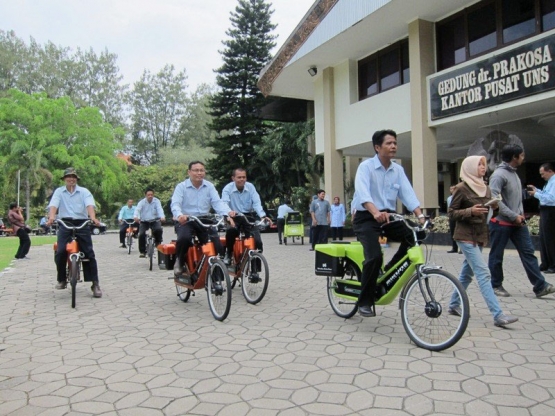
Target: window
x,y
482,34
384,70
490,25
548,14
519,19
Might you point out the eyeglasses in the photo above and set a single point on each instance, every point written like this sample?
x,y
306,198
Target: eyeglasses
x,y
197,170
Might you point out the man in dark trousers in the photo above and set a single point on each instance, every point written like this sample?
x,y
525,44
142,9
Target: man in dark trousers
x,y
546,196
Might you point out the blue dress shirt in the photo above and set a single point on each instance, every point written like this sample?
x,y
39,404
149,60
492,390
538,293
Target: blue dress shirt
x,y
337,215
146,211
188,200
284,209
127,213
246,201
547,195
72,205
382,187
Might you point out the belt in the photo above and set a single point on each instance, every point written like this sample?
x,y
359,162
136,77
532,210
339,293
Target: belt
x,y
547,207
501,222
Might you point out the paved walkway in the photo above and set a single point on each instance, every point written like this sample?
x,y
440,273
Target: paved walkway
x,y
141,351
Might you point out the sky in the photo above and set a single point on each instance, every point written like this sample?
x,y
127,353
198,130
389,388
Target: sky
x,y
145,34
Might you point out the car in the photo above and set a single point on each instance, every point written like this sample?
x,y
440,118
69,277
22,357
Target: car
x,y
98,229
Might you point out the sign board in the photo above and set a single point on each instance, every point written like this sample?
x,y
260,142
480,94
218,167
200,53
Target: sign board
x,y
526,70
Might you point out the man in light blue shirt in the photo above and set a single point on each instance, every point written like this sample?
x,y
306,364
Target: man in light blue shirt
x,y
379,181
546,196
74,204
283,210
150,213
194,196
127,212
241,196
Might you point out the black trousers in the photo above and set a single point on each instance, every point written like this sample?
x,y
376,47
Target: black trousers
x,y
90,267
280,227
186,232
241,225
319,234
454,246
337,233
24,243
123,230
547,237
156,229
368,231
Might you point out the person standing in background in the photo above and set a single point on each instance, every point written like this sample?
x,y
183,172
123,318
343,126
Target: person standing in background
x,y
283,210
15,217
454,247
546,196
337,219
320,212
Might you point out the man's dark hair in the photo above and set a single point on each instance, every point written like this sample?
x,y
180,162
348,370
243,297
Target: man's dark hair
x,y
547,166
378,137
149,190
319,191
510,151
234,172
287,202
195,162
13,205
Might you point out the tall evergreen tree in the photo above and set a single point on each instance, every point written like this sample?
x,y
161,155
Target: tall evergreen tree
x,y
236,106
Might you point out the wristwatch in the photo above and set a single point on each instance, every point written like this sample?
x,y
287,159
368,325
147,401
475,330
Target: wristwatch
x,y
421,216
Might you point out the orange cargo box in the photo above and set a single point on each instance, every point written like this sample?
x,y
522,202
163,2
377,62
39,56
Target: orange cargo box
x,y
167,248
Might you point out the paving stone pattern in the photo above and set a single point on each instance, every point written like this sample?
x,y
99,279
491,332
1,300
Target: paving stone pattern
x,y
141,351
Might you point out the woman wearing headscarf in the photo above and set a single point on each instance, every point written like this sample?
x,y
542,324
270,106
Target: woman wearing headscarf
x,y
470,214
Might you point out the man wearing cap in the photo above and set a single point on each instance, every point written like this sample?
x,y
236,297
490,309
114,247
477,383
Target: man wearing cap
x,y
76,203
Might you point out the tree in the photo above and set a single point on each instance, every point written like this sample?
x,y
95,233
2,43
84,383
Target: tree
x,y
159,102
41,137
87,78
285,151
236,106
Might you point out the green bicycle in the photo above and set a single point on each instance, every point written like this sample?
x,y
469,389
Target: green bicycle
x,y
425,290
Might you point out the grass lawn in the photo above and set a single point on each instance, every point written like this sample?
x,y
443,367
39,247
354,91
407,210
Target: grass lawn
x,y
9,245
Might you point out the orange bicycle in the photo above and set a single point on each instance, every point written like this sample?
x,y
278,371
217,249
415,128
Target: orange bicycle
x,y
202,268
74,257
248,265
129,234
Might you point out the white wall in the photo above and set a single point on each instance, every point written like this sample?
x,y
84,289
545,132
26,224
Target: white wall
x,y
356,122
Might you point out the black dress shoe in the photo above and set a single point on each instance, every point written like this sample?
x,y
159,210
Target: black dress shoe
x,y
452,251
550,271
366,311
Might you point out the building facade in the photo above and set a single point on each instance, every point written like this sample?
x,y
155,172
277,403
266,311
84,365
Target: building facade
x,y
447,76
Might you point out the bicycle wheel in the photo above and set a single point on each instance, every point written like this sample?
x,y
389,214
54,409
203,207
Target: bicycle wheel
x,y
343,306
73,277
129,243
218,287
425,316
150,251
255,278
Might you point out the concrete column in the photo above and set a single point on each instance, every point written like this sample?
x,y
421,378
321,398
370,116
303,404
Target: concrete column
x,y
423,138
333,159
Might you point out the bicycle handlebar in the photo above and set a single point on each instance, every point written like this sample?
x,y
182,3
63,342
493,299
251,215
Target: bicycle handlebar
x,y
413,226
211,217
261,223
129,222
150,221
73,227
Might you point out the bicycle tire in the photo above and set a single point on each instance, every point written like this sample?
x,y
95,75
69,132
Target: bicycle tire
x,y
218,287
428,324
129,243
183,293
73,277
254,284
150,251
342,307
